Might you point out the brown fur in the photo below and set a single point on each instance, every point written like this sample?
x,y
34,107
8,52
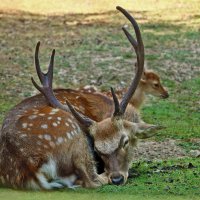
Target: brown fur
x,y
27,144
24,148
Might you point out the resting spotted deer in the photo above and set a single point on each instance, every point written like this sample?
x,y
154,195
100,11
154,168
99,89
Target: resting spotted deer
x,y
45,144
149,84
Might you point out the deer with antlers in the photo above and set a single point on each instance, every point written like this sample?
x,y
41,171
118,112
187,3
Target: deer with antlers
x,y
47,144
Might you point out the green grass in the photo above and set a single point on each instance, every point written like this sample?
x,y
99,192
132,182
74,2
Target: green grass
x,y
171,179
92,46
176,177
10,194
181,115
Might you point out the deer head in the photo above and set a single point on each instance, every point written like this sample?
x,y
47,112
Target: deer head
x,y
151,84
112,137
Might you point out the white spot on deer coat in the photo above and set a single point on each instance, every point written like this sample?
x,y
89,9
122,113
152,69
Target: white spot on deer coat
x,y
60,140
40,136
69,120
54,111
69,135
23,135
44,126
35,112
32,117
55,124
47,137
77,128
24,125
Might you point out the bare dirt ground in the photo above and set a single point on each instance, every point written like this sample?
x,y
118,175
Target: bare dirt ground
x,y
153,150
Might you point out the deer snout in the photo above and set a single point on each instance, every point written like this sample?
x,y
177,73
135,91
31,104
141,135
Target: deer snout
x,y
117,180
165,95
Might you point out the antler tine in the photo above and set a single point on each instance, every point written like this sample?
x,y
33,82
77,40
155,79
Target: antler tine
x,y
117,111
131,39
80,118
135,26
46,81
50,68
37,63
139,49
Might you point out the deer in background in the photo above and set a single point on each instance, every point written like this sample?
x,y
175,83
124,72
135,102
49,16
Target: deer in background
x,y
45,144
149,84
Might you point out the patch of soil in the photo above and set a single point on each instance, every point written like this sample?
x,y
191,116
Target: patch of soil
x,y
152,150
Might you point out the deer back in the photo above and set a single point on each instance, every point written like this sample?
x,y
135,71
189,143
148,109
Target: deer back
x,y
38,143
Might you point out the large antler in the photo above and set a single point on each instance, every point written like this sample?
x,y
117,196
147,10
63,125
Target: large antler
x,y
47,91
46,81
139,49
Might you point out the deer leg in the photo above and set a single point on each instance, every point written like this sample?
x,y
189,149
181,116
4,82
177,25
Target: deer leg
x,y
69,181
45,184
87,178
102,178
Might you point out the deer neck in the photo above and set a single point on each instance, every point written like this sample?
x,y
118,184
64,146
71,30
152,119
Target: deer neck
x,y
138,97
132,114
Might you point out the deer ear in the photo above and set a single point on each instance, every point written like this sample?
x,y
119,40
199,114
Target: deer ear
x,y
147,130
143,75
143,81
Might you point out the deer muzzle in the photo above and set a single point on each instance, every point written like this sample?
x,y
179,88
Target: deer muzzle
x,y
117,180
165,95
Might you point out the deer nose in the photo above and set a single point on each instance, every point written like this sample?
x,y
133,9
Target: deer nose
x,y
117,180
165,96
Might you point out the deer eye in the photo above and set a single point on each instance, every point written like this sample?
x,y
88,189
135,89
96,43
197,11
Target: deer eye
x,y
156,85
126,143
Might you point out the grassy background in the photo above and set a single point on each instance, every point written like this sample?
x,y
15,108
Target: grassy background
x,y
18,195
91,49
